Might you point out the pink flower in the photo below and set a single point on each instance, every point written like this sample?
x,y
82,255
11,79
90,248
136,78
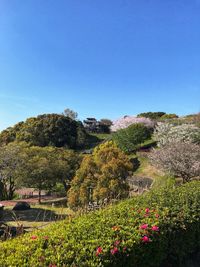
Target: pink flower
x,y
46,237
157,215
155,228
144,226
52,265
117,242
99,251
125,248
147,210
114,251
33,237
145,239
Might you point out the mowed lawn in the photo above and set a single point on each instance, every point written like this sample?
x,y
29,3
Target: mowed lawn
x,y
37,217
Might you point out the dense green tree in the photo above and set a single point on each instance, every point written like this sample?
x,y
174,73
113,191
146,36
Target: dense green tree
x,y
44,167
152,115
101,175
39,168
105,125
130,138
47,130
65,164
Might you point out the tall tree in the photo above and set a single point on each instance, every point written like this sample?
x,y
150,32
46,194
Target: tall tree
x,y
101,175
179,159
70,114
11,166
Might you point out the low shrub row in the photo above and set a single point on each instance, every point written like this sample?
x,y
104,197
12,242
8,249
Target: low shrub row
x,y
150,230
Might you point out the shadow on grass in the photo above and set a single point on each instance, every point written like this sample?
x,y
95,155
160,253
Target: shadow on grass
x,y
31,215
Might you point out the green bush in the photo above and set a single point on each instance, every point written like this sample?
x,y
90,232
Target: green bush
x,y
158,227
130,138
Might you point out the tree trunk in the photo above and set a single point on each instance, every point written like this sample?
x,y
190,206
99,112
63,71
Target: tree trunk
x,y
39,196
66,186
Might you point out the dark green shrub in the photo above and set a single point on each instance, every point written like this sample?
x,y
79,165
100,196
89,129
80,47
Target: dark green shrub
x,y
130,138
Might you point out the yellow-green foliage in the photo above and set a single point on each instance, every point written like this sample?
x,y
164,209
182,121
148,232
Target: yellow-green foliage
x,y
160,226
104,171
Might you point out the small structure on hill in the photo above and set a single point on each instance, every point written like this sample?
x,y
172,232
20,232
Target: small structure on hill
x,y
91,125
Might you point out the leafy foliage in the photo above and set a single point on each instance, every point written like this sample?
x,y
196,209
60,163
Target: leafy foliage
x,y
47,130
152,115
129,138
44,167
104,173
150,230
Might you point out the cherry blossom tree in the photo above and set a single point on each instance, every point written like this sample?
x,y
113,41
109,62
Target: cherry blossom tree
x,y
126,121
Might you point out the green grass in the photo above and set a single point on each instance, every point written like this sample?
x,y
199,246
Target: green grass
x,y
37,217
102,136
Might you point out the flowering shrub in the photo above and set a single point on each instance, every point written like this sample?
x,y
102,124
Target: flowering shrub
x,y
166,133
148,230
126,121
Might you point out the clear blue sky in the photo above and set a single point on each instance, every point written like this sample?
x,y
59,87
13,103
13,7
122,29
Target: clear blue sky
x,y
102,58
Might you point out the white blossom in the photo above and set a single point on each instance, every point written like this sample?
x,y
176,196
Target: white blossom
x,y
166,133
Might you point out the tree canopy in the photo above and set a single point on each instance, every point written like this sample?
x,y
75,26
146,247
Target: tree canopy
x,y
47,130
101,175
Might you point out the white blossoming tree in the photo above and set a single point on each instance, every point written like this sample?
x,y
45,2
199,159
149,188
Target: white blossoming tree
x,y
166,133
179,159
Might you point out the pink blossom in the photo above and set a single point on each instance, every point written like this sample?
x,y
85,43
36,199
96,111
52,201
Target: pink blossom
x,y
155,228
144,226
117,242
147,210
145,239
99,251
33,237
126,121
157,215
114,251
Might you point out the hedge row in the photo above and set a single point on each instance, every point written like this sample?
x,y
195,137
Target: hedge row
x,y
149,230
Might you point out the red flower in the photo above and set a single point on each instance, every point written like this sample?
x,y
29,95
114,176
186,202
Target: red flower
x,y
114,251
125,248
33,237
99,251
157,215
155,228
147,210
145,239
117,242
144,226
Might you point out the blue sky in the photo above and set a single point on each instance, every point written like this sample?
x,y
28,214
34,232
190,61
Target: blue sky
x,y
102,58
